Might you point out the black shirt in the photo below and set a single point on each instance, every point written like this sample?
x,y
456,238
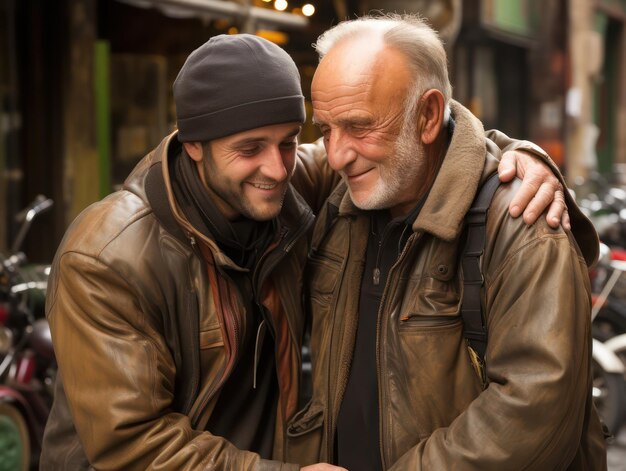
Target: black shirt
x,y
358,438
244,414
358,429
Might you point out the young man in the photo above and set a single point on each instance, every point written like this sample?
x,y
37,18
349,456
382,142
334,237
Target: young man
x,y
395,386
175,303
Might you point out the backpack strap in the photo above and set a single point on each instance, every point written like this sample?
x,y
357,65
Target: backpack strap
x,y
474,327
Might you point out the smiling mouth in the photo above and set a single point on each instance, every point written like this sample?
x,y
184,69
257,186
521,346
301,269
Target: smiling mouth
x,y
264,186
356,175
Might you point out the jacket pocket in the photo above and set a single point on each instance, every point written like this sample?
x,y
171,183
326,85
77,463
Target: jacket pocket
x,y
211,338
419,322
323,274
304,436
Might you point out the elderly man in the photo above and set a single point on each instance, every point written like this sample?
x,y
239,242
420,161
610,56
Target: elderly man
x,y
395,384
175,303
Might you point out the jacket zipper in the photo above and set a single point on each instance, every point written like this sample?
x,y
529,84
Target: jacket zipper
x,y
410,242
195,378
262,270
381,240
260,274
329,407
233,330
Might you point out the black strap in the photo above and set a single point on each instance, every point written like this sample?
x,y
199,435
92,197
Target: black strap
x,y
474,327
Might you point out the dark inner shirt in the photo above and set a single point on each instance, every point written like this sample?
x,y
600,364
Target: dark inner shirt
x,y
358,442
244,415
357,425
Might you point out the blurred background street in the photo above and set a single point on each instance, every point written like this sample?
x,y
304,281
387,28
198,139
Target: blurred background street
x,y
85,93
617,453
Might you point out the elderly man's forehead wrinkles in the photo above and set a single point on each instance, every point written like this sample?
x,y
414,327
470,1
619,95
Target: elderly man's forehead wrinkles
x,y
362,114
340,99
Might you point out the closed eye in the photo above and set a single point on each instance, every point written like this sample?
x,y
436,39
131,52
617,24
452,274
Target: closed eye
x,y
249,151
325,130
358,130
290,144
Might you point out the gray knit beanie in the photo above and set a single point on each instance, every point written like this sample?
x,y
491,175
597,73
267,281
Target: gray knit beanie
x,y
233,83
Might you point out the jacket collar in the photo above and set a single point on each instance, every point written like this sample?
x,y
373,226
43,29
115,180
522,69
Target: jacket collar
x,y
457,181
455,185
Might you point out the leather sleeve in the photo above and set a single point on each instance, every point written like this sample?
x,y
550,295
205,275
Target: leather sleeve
x,y
118,377
313,177
505,143
581,227
531,414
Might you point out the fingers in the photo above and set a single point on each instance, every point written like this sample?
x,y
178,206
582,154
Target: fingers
x,y
507,167
542,199
565,221
557,214
530,187
540,189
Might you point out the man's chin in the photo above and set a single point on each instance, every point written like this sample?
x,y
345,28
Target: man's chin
x,y
263,213
370,203
362,200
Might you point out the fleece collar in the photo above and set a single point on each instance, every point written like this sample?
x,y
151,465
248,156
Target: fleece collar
x,y
457,181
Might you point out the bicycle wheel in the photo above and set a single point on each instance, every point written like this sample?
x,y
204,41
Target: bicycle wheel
x,y
14,440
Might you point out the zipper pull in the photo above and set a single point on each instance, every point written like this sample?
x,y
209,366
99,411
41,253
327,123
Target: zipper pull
x,y
192,240
376,276
260,335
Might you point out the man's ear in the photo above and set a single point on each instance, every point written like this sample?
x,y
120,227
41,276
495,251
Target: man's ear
x,y
194,149
431,116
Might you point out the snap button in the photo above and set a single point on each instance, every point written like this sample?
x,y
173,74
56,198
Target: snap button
x,y
442,269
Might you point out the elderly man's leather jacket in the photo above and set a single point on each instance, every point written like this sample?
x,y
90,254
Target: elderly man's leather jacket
x,y
146,325
536,411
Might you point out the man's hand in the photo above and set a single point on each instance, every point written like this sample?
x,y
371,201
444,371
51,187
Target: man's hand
x,y
540,189
322,467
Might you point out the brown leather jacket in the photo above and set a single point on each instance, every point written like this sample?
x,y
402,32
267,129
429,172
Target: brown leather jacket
x,y
145,334
536,411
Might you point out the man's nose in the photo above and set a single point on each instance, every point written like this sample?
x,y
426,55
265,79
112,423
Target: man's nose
x,y
339,150
274,165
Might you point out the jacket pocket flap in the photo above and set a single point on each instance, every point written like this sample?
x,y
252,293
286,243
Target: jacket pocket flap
x,y
211,338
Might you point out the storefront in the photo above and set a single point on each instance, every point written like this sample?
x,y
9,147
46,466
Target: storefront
x,y
87,91
500,49
609,94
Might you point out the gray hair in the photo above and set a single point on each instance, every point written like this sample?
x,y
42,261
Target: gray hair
x,y
411,36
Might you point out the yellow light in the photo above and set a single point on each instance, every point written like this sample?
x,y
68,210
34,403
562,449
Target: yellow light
x,y
267,1
308,9
281,5
277,37
233,30
222,24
